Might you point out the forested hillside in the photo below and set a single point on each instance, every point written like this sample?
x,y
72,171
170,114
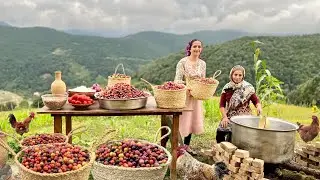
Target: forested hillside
x,y
29,56
292,59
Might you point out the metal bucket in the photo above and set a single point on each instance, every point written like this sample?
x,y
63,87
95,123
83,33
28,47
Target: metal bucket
x,y
274,144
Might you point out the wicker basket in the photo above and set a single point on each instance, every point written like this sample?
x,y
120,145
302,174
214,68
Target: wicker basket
x,y
79,174
108,172
202,91
169,99
27,174
66,137
3,151
114,80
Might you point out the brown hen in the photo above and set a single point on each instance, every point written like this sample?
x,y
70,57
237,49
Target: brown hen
x,y
21,127
309,132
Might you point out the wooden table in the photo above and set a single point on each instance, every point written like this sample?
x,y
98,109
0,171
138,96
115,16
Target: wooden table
x,y
68,111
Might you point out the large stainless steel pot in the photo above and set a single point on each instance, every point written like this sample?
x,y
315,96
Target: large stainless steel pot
x,y
273,145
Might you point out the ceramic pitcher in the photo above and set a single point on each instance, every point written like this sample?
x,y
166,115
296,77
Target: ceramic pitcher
x,y
58,86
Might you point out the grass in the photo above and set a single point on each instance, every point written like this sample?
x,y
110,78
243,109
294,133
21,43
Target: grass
x,y
145,127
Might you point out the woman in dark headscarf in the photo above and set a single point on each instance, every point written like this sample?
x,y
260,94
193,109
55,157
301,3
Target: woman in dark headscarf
x,y
235,100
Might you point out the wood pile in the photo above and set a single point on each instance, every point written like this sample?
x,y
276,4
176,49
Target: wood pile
x,y
239,162
309,156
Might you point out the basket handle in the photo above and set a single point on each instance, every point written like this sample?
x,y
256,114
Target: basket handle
x,y
6,134
216,74
118,67
164,136
7,147
74,131
146,82
103,138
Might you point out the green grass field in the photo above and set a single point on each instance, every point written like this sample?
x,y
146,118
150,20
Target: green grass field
x,y
145,127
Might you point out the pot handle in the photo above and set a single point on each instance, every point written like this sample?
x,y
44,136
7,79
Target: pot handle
x,y
164,136
74,131
146,82
216,74
118,67
7,147
97,142
6,134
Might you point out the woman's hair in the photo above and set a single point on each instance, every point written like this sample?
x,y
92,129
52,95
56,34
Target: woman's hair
x,y
189,45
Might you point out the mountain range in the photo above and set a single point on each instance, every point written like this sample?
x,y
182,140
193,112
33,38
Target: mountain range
x,y
31,55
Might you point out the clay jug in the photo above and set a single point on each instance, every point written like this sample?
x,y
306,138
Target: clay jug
x,y
3,151
58,86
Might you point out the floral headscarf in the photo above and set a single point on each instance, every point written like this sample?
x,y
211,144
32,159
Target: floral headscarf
x,y
242,90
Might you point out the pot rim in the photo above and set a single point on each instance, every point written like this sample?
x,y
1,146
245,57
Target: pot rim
x,y
273,118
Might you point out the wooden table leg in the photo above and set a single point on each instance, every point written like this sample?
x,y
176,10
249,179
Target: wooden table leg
x,y
69,127
164,131
174,146
57,123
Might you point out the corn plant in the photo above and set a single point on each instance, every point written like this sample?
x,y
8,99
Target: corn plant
x,y
268,87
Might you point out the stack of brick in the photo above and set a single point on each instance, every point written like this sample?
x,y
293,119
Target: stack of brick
x,y
309,156
239,162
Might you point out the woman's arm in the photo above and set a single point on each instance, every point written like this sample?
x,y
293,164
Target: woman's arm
x,y
259,108
223,112
204,70
179,73
223,102
256,102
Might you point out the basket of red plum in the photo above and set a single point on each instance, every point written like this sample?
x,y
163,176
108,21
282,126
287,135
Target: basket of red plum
x,y
169,94
116,78
57,161
131,159
46,138
203,88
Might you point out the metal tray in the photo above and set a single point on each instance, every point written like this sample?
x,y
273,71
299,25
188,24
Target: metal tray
x,y
123,104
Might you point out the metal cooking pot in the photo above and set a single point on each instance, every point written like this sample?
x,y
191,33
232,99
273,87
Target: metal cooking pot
x,y
274,144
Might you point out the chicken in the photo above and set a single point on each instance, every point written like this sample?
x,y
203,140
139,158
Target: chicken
x,y
189,168
308,133
21,127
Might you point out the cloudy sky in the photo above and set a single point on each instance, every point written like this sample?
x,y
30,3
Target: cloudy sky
x,y
176,16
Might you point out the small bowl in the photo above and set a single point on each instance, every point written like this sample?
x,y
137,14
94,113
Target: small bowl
x,y
89,93
54,101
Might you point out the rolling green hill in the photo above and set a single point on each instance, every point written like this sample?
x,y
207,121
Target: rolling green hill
x,y
29,56
292,59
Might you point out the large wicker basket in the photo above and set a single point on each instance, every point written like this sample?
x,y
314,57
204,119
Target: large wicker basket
x,y
169,99
27,174
3,151
200,90
65,137
108,172
114,80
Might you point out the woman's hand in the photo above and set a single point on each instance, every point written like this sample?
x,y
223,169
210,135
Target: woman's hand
x,y
259,109
225,121
188,92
